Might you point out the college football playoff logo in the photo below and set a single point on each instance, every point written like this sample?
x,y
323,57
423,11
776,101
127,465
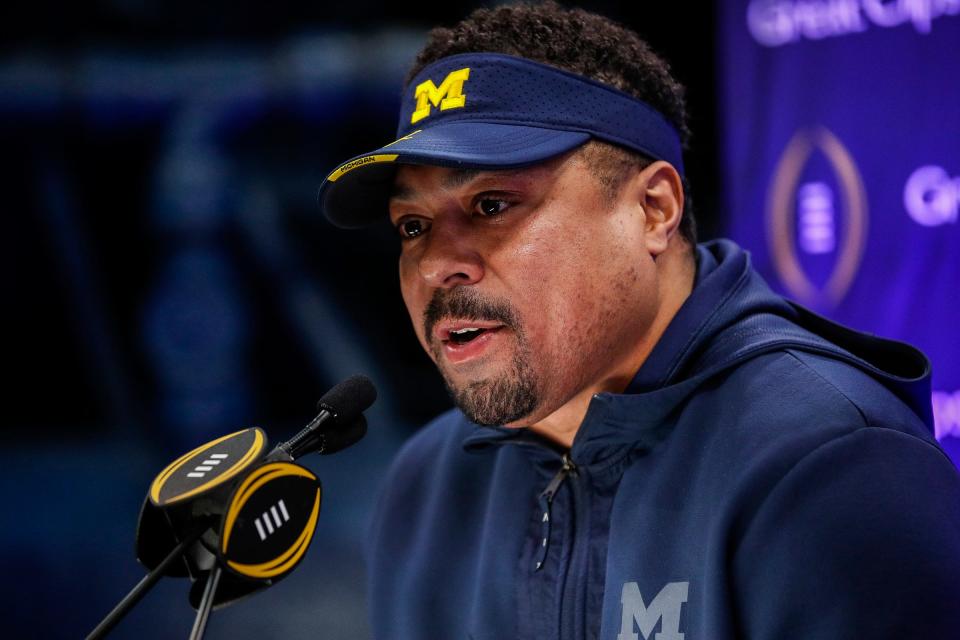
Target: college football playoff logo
x,y
816,218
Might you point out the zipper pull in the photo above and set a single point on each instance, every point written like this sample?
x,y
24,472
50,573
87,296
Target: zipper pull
x,y
545,501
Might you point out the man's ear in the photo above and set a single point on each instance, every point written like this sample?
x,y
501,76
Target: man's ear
x,y
659,190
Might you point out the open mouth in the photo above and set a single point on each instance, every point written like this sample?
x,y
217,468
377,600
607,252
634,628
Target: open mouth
x,y
458,333
463,336
466,340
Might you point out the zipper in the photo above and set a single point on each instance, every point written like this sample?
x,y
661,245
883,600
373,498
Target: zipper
x,y
545,501
574,587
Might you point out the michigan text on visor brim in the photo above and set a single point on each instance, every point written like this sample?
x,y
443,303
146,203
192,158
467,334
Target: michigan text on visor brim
x,y
485,110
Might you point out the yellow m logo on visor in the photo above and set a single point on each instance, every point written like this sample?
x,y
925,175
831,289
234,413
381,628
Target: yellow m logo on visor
x,y
449,95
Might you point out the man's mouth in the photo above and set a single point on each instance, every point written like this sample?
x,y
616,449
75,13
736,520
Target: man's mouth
x,y
463,336
459,332
462,340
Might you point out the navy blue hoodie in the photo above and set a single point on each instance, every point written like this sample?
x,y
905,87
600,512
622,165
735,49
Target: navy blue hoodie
x,y
768,474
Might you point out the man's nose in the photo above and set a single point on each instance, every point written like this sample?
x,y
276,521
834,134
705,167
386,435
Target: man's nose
x,y
450,258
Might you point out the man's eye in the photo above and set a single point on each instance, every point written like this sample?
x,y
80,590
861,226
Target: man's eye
x,y
412,228
491,206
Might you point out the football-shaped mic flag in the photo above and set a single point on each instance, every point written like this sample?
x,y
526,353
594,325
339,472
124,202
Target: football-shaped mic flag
x,y
208,467
270,520
265,531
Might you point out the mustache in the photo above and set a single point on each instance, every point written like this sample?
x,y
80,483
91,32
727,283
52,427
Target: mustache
x,y
466,303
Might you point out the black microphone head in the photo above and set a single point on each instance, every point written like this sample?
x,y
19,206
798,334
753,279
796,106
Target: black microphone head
x,y
335,440
349,399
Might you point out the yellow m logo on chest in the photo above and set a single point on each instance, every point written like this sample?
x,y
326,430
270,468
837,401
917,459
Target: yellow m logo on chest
x,y
449,95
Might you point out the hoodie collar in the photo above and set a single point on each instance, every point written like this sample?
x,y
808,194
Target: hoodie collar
x,y
722,270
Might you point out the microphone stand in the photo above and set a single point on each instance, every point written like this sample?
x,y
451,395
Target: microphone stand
x,y
142,587
203,611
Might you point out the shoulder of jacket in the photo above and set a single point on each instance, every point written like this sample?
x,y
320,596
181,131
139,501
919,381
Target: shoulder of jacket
x,y
769,412
428,452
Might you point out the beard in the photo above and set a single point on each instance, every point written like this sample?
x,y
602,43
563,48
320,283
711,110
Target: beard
x,y
490,401
500,400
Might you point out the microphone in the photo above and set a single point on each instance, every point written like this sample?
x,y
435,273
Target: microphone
x,y
339,423
234,519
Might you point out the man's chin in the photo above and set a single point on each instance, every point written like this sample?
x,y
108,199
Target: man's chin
x,y
502,401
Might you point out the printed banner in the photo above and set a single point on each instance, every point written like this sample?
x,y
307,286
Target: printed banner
x,y
841,165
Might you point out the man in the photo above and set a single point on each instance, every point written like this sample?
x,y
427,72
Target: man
x,y
649,443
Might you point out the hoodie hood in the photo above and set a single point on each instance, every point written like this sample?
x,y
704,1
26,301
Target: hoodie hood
x,y
731,315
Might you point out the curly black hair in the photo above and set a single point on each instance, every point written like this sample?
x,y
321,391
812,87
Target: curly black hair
x,y
583,43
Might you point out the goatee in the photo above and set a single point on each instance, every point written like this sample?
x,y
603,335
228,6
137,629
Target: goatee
x,y
495,400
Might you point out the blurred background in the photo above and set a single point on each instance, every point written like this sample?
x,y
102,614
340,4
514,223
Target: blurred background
x,y
167,277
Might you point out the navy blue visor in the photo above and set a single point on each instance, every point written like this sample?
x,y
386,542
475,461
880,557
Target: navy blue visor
x,y
493,111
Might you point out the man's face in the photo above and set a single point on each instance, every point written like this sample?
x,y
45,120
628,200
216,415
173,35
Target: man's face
x,y
525,286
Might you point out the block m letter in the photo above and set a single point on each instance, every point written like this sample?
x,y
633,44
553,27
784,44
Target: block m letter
x,y
665,608
449,95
